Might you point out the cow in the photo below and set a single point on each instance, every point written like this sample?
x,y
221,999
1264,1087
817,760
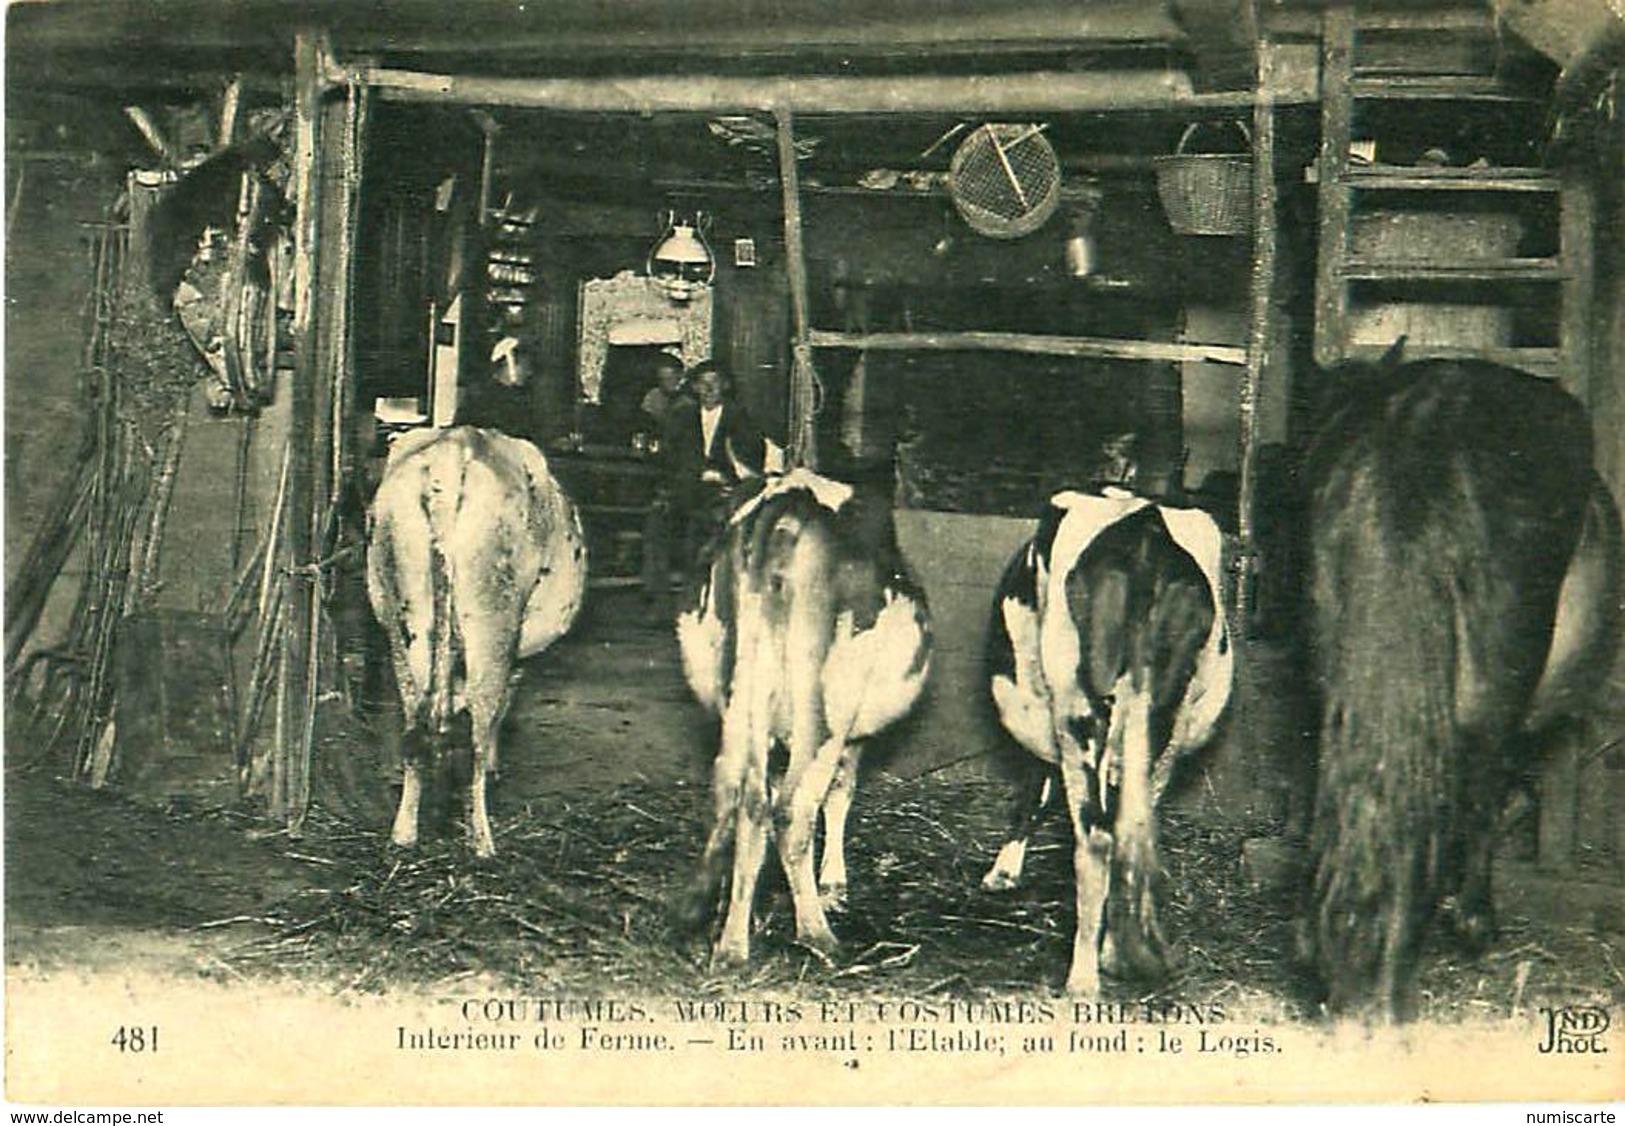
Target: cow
x,y
475,559
1111,661
808,631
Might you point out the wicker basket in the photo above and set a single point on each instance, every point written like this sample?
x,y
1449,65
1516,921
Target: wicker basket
x,y
1207,193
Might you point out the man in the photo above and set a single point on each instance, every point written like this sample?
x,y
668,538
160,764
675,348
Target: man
x,y
668,393
711,450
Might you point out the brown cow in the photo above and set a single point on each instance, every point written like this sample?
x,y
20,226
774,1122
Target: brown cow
x,y
809,632
476,560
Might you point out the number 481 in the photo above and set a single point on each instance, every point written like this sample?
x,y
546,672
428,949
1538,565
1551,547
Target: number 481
x,y
136,1038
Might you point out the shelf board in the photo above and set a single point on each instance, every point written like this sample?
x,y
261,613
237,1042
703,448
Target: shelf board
x,y
1394,177
1356,268
1540,361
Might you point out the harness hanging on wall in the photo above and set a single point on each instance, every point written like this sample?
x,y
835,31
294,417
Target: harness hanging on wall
x,y
227,302
1005,180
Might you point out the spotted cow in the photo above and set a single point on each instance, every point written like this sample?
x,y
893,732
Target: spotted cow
x,y
808,632
475,559
1109,661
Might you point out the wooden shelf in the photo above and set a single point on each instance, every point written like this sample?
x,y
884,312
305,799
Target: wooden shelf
x,y
1356,268
1094,347
1395,177
1364,269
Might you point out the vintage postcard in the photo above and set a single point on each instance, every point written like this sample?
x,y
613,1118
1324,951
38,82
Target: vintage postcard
x,y
820,553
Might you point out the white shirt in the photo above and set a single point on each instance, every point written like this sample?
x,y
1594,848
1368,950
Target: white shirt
x,y
709,418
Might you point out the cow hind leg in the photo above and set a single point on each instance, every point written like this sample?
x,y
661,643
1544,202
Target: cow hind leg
x,y
742,798
1035,793
837,805
488,646
404,832
1134,944
697,906
805,790
1092,872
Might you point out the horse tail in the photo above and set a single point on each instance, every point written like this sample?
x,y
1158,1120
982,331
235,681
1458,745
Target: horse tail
x,y
1384,617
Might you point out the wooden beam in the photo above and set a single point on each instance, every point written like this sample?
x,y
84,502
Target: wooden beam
x,y
1261,334
803,376
1085,347
290,786
1033,92
148,128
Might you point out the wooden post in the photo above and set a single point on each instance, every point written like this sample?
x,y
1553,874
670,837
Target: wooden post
x,y
338,284
803,376
291,794
1261,325
230,100
1577,229
1336,126
488,158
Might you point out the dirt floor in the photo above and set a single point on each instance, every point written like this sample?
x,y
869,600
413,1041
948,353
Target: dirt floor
x,y
600,813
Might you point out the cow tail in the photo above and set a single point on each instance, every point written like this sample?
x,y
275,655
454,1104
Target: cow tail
x,y
444,500
1384,813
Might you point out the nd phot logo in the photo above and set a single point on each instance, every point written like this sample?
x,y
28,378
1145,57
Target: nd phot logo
x,y
1574,1030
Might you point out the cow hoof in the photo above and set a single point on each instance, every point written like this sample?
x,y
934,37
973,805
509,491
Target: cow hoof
x,y
1273,864
1138,958
729,957
997,879
690,911
832,897
820,940
1303,943
1005,875
1083,985
1474,928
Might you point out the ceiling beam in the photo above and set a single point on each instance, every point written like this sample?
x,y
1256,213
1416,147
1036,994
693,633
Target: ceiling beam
x,y
1033,92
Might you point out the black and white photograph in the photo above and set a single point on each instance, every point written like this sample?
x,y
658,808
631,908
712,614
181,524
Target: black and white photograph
x,y
814,552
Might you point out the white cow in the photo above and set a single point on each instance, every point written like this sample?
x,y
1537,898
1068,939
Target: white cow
x,y
476,560
809,632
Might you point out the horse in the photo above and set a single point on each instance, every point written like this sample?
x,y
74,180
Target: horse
x,y
1464,594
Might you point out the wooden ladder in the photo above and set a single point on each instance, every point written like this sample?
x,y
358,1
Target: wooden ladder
x,y
1345,187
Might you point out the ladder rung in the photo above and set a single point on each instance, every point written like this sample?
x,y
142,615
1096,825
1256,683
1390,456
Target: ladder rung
x,y
1398,177
1399,19
1463,87
1356,268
